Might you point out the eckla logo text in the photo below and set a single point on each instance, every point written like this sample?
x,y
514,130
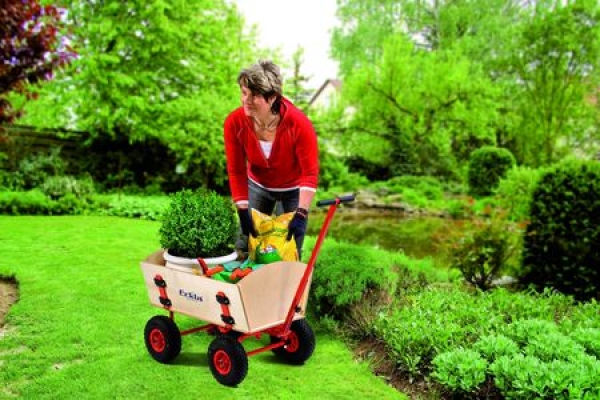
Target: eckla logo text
x,y
190,295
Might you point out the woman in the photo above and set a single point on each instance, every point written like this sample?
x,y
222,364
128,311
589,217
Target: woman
x,y
272,153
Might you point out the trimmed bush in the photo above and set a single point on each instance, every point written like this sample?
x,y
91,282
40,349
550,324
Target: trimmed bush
x,y
462,370
561,242
199,224
487,165
344,274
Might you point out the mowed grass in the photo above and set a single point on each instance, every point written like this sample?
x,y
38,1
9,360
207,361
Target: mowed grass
x,y
77,329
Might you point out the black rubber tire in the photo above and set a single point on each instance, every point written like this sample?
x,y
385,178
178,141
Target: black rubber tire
x,y
163,339
228,360
300,344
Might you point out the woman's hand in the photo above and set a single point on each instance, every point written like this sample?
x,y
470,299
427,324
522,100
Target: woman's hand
x,y
297,225
246,222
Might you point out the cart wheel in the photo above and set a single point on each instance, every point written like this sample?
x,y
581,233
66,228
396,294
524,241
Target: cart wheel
x,y
228,360
163,339
299,345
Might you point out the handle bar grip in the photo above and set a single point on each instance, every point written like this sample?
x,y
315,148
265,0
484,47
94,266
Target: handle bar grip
x,y
343,199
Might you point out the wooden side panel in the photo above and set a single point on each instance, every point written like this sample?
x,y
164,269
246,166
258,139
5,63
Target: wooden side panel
x,y
268,293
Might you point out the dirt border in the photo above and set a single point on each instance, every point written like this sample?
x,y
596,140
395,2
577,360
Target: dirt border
x,y
9,294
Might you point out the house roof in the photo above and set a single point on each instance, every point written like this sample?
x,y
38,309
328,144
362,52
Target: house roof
x,y
335,83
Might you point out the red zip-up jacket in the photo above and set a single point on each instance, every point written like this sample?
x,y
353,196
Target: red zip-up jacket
x,y
294,159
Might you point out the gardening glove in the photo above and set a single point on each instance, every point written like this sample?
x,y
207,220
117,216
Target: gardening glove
x,y
246,222
297,225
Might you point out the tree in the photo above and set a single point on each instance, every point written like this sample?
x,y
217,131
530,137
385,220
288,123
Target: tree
x,y
557,69
297,90
364,26
30,49
154,70
421,103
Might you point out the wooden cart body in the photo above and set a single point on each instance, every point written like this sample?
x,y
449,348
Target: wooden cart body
x,y
259,301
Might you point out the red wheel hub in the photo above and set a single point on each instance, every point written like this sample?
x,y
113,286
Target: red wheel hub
x,y
157,340
222,362
292,343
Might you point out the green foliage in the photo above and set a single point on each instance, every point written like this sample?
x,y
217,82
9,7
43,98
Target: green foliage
x,y
333,173
198,224
560,245
563,41
521,331
588,338
456,319
152,70
428,186
525,377
460,370
451,319
35,202
514,191
142,207
553,346
487,165
36,168
482,247
443,96
57,187
494,346
459,209
344,274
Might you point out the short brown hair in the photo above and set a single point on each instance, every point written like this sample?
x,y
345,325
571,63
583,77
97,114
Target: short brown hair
x,y
264,79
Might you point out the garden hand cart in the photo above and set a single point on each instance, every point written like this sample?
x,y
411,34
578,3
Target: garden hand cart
x,y
271,300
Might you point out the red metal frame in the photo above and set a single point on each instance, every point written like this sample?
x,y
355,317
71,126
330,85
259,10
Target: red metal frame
x,y
281,331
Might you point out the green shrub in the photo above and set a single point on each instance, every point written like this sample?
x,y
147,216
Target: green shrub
x,y
34,169
434,321
495,346
554,346
521,331
459,209
514,192
334,173
561,242
58,186
344,274
589,338
32,202
487,165
143,207
462,371
199,224
428,187
482,248
527,377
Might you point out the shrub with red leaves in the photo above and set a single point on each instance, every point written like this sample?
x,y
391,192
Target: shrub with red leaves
x,y
31,47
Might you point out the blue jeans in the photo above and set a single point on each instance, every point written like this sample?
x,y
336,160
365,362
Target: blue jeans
x,y
264,200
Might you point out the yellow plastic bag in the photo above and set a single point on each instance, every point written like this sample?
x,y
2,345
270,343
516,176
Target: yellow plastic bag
x,y
271,245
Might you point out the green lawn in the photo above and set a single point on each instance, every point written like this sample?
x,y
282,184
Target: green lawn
x,y
77,330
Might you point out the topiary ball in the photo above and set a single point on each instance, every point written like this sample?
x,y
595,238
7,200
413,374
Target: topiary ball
x,y
199,224
562,242
487,165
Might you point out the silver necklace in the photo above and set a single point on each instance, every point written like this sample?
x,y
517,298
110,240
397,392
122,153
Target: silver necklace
x,y
267,127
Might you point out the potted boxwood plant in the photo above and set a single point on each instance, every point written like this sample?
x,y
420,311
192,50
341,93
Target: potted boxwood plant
x,y
198,224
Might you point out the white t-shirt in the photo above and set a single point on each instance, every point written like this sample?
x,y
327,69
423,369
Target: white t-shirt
x,y
266,147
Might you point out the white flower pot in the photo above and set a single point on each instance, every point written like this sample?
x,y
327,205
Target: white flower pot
x,y
192,264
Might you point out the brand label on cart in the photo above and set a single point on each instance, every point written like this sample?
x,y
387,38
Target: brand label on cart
x,y
190,295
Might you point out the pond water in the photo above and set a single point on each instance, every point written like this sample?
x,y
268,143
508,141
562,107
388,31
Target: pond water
x,y
417,237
